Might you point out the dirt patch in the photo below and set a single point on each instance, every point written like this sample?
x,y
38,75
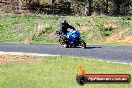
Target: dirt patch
x,y
114,37
119,38
126,39
5,59
52,36
110,24
85,28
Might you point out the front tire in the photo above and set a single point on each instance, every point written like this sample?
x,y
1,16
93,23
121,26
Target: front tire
x,y
63,43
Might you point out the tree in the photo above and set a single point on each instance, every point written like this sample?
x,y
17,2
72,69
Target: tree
x,y
52,6
120,7
82,7
107,7
88,7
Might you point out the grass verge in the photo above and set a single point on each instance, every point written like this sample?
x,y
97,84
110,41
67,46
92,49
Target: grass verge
x,y
38,29
57,72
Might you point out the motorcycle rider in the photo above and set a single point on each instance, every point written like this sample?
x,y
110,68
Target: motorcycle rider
x,y
65,26
68,39
63,31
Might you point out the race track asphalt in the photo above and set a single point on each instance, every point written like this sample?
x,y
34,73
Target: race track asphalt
x,y
108,53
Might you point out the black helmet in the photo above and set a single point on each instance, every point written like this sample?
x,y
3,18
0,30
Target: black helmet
x,y
63,23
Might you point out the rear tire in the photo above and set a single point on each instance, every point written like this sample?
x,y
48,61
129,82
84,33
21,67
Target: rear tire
x,y
82,44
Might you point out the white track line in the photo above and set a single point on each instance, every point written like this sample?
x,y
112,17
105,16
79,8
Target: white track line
x,y
115,62
109,61
21,53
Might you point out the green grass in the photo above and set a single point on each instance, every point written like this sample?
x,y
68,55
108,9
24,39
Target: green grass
x,y
58,72
16,28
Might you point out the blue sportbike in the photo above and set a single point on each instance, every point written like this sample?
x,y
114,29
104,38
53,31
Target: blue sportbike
x,y
71,39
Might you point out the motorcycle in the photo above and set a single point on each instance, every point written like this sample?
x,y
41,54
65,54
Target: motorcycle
x,y
71,39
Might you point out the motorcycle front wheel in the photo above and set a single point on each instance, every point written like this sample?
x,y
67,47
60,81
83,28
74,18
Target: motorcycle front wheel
x,y
63,43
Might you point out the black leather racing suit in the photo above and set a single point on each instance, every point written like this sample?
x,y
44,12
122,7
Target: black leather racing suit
x,y
65,27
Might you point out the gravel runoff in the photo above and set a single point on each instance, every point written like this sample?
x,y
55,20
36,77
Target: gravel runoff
x,y
21,53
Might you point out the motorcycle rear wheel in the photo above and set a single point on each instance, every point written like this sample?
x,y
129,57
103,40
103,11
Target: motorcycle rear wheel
x,y
82,44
